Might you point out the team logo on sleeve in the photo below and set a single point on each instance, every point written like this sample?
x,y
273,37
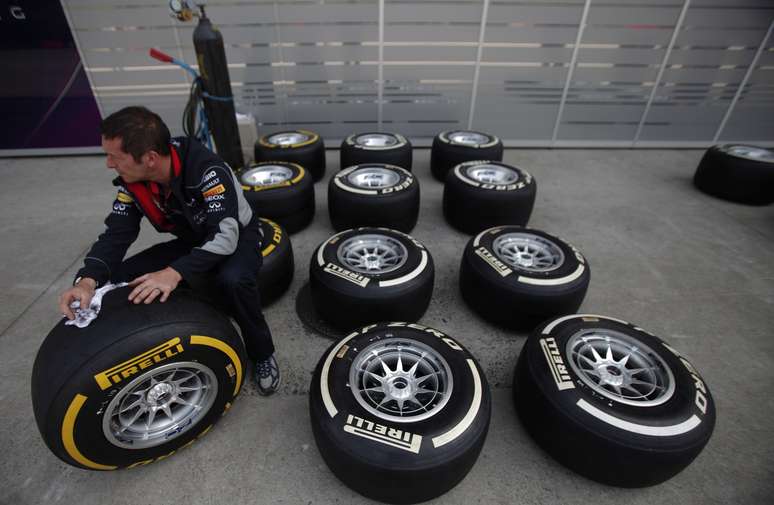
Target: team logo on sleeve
x,y
220,188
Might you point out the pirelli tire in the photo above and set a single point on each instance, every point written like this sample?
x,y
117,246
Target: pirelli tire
x,y
626,421
376,440
738,173
517,277
276,272
373,194
280,191
450,148
481,194
303,147
138,384
376,147
367,275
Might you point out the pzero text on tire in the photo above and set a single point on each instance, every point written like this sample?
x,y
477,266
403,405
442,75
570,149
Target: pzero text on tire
x,y
367,275
376,147
138,384
280,191
739,173
481,194
374,194
516,277
405,405
277,270
611,401
296,146
450,148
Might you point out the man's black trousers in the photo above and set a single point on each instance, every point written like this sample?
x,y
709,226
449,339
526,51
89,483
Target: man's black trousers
x,y
233,282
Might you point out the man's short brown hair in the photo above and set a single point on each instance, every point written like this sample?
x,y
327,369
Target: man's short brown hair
x,y
139,129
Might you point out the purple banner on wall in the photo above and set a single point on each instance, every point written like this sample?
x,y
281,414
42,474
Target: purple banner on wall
x,y
46,101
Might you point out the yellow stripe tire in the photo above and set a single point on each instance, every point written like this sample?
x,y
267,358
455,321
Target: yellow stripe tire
x,y
288,199
276,272
309,153
81,375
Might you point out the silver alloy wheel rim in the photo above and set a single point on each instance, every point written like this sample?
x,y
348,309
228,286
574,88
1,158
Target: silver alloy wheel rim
x,y
750,153
373,177
401,380
372,254
160,405
288,138
620,368
267,175
528,251
489,173
468,138
376,140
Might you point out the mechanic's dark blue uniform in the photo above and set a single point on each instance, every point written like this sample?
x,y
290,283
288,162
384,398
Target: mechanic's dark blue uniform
x,y
217,244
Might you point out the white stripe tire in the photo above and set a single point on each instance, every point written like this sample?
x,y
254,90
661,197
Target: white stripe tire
x,y
138,384
367,275
626,421
481,194
374,194
276,272
516,277
738,173
376,147
281,191
296,146
399,411
450,148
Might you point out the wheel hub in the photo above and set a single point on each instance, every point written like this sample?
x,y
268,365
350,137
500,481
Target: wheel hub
x,y
620,367
468,138
400,380
267,175
160,393
373,177
372,254
750,152
528,251
376,140
288,138
159,405
490,173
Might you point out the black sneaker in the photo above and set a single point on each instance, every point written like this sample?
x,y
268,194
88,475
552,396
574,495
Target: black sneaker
x,y
267,376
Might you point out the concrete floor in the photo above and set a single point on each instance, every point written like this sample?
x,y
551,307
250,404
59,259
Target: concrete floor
x,y
695,270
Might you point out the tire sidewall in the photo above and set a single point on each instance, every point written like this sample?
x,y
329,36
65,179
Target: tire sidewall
x,y
340,182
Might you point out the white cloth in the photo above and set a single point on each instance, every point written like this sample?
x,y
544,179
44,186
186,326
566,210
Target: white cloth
x,y
83,317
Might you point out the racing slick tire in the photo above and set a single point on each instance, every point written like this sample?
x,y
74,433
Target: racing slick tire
x,y
367,275
450,148
611,401
276,272
280,191
481,194
376,147
137,384
296,146
738,173
517,277
373,194
399,411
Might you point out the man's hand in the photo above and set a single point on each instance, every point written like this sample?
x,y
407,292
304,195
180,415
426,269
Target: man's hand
x,y
149,286
83,291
